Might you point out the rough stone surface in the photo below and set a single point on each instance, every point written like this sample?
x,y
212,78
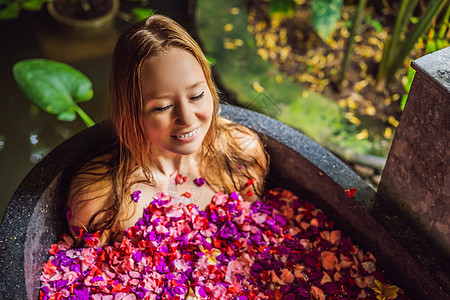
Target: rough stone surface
x,y
416,175
436,68
35,216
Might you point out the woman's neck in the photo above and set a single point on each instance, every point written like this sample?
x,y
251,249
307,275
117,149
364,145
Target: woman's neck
x,y
167,163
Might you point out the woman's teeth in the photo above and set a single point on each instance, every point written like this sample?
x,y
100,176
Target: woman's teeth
x,y
189,134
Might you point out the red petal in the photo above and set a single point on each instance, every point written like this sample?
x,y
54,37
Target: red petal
x,y
350,193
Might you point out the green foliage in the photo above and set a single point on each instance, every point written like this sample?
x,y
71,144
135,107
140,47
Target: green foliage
x,y
10,9
396,50
282,7
374,23
439,34
407,86
211,59
351,40
141,13
54,87
258,85
326,14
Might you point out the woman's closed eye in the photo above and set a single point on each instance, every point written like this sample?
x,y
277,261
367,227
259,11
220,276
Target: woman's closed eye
x,y
166,107
198,96
163,108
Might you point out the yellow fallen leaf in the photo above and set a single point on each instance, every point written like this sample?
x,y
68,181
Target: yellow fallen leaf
x,y
392,121
388,132
275,19
354,120
238,42
228,27
360,85
260,26
234,10
371,110
263,53
283,36
395,97
257,87
364,134
270,40
278,79
352,104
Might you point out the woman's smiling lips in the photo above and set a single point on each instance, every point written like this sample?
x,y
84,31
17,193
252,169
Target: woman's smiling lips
x,y
186,137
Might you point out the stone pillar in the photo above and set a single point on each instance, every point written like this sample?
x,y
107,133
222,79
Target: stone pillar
x,y
417,174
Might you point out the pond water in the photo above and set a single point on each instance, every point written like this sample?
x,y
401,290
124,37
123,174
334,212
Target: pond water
x,y
27,134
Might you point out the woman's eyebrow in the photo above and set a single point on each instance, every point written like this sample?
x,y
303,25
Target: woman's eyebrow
x,y
163,96
195,85
157,97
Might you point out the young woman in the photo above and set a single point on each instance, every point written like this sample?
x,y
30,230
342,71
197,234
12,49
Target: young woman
x,y
170,138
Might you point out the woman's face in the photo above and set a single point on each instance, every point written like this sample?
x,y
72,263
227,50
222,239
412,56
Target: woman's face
x,y
178,105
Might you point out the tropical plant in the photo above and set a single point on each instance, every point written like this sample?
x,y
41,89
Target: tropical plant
x,y
10,9
397,49
55,88
438,36
403,38
325,14
351,40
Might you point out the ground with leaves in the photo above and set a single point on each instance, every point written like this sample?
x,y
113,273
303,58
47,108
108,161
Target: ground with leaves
x,y
292,45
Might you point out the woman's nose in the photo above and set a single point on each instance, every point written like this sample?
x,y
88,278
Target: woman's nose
x,y
185,115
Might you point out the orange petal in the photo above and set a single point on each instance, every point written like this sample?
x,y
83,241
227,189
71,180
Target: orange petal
x,y
335,237
329,260
337,276
317,293
325,279
287,276
278,295
276,279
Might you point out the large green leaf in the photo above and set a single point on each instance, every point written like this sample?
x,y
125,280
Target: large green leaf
x,y
53,86
326,14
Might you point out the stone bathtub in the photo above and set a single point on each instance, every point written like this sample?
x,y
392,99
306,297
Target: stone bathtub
x,y
35,216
